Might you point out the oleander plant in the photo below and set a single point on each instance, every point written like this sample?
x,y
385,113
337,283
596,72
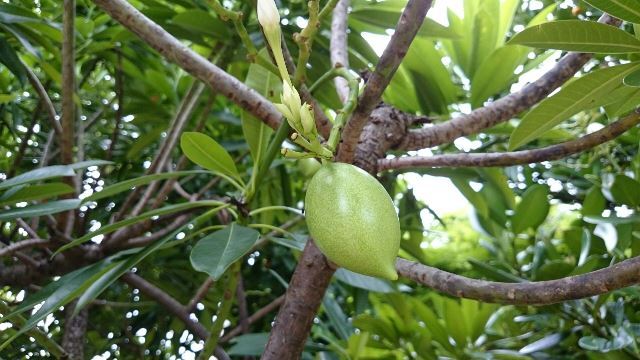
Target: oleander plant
x,y
241,179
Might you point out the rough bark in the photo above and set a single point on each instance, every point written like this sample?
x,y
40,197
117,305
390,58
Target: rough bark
x,y
75,329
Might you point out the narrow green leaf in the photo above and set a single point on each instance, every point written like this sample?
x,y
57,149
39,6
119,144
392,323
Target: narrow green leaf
x,y
532,209
58,294
48,172
207,153
496,73
131,183
117,225
33,192
49,208
628,10
632,79
634,219
581,94
214,253
578,35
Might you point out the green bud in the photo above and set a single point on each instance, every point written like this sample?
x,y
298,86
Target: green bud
x,y
307,121
268,16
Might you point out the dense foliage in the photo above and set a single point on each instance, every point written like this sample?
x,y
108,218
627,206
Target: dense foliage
x,y
153,198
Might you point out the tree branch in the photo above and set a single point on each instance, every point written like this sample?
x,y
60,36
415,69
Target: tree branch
x,y
196,65
68,81
553,152
502,109
10,249
623,274
171,305
46,100
303,298
338,46
253,318
75,329
410,21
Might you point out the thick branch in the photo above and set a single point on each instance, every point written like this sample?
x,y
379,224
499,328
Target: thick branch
x,y
338,46
553,152
623,274
303,298
406,30
68,81
75,330
196,65
502,109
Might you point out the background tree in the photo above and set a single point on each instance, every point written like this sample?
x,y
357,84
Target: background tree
x,y
129,232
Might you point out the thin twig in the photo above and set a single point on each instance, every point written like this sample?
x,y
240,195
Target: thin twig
x,y
29,243
199,295
338,46
253,318
553,152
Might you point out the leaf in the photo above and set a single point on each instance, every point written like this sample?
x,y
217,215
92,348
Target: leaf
x,y
256,132
585,246
132,220
594,202
249,344
202,22
208,154
364,282
632,79
579,95
7,98
628,10
48,172
49,208
214,253
10,59
627,101
496,73
132,183
34,192
58,294
578,35
532,209
626,190
546,342
633,219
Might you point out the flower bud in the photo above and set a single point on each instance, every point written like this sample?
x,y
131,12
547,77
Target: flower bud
x,y
307,121
290,97
268,15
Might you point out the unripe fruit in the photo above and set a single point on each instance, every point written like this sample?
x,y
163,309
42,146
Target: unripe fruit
x,y
352,220
308,167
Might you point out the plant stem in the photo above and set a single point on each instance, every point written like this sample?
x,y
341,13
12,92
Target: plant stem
x,y
223,312
274,208
272,151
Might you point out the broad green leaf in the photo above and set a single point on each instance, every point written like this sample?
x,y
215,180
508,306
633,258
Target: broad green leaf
x,y
496,73
632,79
626,190
207,153
132,183
49,208
214,253
579,95
628,10
58,294
594,202
34,192
48,172
457,325
132,220
485,34
532,209
578,35
625,104
507,11
363,282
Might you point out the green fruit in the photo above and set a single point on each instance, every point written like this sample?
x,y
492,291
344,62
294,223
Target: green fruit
x,y
308,167
352,220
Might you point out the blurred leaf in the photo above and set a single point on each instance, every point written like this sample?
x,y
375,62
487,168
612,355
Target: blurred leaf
x,y
214,253
9,58
532,209
578,35
363,282
545,343
594,202
628,10
632,79
48,172
626,190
